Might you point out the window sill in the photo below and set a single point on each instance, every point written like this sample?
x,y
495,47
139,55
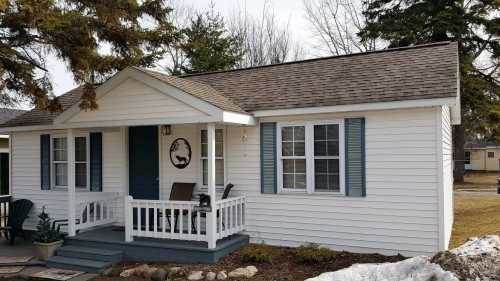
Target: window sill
x,y
314,194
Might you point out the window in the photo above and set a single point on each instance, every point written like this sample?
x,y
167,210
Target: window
x,y
467,158
326,158
310,157
60,162
219,157
491,154
293,157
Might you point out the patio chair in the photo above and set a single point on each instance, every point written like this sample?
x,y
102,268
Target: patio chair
x,y
181,191
18,213
225,195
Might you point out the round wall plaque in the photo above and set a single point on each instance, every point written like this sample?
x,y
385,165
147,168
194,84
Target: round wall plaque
x,y
180,153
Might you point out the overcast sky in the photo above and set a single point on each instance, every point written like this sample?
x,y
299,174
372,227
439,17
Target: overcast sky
x,y
287,11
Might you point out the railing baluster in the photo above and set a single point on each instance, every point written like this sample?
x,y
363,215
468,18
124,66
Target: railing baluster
x,y
155,217
164,220
139,218
189,220
198,226
172,220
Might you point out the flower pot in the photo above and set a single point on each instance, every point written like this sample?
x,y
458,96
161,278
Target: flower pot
x,y
46,250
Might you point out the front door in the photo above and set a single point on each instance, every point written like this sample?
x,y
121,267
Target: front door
x,y
143,163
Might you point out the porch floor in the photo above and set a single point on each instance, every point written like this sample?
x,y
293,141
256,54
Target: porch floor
x,y
155,249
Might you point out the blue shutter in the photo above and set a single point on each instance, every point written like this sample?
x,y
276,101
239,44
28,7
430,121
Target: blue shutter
x,y
355,179
268,158
96,161
45,162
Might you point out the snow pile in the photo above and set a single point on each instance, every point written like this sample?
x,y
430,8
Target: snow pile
x,y
414,269
487,245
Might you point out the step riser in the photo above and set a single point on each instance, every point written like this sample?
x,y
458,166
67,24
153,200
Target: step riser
x,y
89,256
75,267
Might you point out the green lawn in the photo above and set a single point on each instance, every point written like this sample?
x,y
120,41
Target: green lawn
x,y
475,215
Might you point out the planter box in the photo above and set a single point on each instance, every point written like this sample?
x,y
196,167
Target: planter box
x,y
46,250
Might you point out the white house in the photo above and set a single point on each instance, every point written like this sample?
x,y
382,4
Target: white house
x,y
351,152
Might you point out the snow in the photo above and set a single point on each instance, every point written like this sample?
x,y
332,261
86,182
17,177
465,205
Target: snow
x,y
413,269
487,245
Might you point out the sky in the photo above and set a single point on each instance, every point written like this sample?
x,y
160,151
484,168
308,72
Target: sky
x,y
288,12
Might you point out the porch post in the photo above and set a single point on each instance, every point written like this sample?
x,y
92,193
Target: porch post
x,y
70,142
211,216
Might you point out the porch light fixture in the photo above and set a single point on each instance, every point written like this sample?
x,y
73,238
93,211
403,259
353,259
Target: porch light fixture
x,y
166,130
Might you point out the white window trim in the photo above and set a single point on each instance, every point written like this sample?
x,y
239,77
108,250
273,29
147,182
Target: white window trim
x,y
52,162
309,156
224,151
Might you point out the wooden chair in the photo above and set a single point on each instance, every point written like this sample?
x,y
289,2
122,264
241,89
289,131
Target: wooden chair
x,y
18,213
181,191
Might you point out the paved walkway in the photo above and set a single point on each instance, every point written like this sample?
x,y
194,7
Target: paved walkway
x,y
23,248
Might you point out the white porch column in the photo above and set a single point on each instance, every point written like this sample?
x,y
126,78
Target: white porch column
x,y
70,142
212,216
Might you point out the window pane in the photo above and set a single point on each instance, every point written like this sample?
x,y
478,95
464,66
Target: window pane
x,y
81,149
300,181
219,172
319,148
288,166
287,149
204,138
333,166
61,174
333,132
81,174
333,183
219,150
59,143
319,132
288,180
299,133
321,181
205,171
219,135
60,155
287,133
300,166
299,149
204,150
321,166
333,148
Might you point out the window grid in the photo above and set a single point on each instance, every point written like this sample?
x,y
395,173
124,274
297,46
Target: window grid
x,y
81,159
328,159
60,162
219,157
297,177
59,159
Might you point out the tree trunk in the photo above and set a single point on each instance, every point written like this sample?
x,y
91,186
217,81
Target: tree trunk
x,y
459,154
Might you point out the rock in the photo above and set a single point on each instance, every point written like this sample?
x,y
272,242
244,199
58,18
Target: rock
x,y
176,271
159,275
243,272
210,276
148,272
141,271
195,275
222,275
470,268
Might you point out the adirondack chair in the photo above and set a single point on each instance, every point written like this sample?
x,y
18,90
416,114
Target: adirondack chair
x,y
18,213
181,191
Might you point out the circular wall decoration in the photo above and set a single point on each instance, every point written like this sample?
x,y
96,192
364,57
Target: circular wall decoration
x,y
180,153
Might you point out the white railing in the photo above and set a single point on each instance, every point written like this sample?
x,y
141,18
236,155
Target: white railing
x,y
231,216
181,219
95,209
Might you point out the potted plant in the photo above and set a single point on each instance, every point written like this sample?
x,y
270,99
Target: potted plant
x,y
46,239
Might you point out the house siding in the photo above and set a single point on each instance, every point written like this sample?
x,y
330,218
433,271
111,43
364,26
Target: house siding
x,y
447,179
400,213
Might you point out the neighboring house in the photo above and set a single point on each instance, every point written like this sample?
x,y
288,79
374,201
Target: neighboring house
x,y
482,156
351,152
5,115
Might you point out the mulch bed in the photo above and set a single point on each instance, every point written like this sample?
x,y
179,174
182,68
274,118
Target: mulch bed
x,y
283,266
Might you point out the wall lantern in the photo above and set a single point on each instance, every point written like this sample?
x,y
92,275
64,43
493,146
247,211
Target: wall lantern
x,y
166,130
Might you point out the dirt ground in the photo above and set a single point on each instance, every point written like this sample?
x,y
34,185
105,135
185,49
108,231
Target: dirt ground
x,y
479,180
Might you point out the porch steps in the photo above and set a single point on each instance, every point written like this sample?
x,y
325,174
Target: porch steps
x,y
84,258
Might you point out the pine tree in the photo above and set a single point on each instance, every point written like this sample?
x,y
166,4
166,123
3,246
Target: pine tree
x,y
94,39
44,232
208,45
475,25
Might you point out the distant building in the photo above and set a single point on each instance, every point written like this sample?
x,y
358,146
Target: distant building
x,y
5,115
482,156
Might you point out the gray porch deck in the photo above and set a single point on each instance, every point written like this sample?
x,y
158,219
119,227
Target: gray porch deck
x,y
153,249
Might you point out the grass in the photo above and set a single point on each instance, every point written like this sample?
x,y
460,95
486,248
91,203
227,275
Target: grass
x,y
475,215
479,180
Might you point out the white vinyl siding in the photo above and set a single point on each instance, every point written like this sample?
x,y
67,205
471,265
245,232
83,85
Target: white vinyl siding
x,y
399,213
447,179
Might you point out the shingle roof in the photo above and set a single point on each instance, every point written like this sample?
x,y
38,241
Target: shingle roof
x,y
6,114
422,72
202,91
411,73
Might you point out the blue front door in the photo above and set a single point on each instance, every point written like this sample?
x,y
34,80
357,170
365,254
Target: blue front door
x,y
143,162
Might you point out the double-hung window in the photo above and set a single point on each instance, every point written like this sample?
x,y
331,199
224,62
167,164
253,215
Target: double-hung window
x,y
60,162
311,157
219,157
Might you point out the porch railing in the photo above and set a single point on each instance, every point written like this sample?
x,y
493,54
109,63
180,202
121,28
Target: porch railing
x,y
96,209
181,220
